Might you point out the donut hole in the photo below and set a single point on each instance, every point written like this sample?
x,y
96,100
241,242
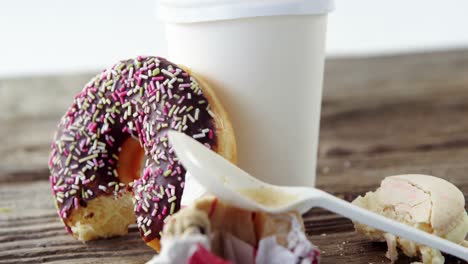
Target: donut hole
x,y
131,160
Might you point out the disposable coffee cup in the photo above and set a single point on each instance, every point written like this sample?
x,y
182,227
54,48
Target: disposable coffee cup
x,y
265,58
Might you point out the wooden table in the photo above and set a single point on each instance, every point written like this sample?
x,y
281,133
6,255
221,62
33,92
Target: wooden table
x,y
381,116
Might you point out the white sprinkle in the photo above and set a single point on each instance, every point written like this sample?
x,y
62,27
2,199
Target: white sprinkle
x,y
191,118
211,113
130,73
171,82
201,135
147,233
166,72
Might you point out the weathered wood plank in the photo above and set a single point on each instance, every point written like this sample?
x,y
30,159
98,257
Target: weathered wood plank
x,y
381,116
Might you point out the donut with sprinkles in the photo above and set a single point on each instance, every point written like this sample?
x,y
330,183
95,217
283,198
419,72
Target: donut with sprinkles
x,y
111,162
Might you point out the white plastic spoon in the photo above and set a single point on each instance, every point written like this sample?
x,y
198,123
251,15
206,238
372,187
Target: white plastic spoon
x,y
235,186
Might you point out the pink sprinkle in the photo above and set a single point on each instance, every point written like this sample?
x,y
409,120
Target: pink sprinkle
x,y
60,189
185,74
109,142
63,213
168,192
158,78
92,127
153,214
138,208
174,173
122,94
155,199
163,90
170,93
164,211
138,128
179,170
210,134
182,184
184,85
181,99
146,173
159,216
114,97
75,202
151,85
111,162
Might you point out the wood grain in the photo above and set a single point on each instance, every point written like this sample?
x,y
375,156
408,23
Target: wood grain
x,y
381,116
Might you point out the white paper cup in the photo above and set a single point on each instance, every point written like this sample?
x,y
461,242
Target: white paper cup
x,y
265,59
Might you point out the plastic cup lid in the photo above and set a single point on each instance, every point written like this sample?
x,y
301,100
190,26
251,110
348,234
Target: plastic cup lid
x,y
190,11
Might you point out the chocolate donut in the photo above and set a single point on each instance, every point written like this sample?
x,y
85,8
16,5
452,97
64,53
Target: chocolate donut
x,y
120,118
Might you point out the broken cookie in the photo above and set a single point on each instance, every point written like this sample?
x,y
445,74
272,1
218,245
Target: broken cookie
x,y
425,202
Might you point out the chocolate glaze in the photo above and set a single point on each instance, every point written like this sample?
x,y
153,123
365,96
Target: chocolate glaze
x,y
141,98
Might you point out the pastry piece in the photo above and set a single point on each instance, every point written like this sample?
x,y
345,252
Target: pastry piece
x,y
429,203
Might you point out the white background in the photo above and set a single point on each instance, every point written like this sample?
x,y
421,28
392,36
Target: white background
x,y
46,36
